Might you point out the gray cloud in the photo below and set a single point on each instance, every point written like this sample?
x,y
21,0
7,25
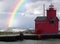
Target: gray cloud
x,y
39,0
25,16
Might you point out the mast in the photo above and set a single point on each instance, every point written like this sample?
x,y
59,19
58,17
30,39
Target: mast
x,y
43,9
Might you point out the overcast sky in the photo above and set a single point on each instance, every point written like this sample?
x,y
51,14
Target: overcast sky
x,y
25,16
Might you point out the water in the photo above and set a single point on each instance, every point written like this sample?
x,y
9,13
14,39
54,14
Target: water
x,y
50,41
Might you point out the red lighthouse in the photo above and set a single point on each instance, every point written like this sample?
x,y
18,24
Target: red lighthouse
x,y
47,24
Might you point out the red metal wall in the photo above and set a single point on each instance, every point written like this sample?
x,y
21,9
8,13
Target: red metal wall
x,y
46,27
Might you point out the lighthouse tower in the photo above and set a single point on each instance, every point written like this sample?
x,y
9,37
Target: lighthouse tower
x,y
51,12
47,24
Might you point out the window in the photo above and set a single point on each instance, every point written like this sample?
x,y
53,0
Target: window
x,y
52,21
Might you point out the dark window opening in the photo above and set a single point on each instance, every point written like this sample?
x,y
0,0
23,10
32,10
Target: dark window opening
x,y
52,21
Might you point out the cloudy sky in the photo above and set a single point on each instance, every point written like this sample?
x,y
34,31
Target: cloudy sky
x,y
25,16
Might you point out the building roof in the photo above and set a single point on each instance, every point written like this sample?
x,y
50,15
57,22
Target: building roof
x,y
41,18
44,18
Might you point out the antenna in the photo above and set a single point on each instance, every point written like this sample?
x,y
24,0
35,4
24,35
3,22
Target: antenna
x,y
51,2
51,5
44,9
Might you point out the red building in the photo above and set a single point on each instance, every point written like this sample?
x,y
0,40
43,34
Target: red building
x,y
47,24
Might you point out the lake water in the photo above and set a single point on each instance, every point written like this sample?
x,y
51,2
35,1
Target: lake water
x,y
50,41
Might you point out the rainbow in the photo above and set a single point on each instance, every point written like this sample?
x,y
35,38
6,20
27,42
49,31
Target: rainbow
x,y
15,8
